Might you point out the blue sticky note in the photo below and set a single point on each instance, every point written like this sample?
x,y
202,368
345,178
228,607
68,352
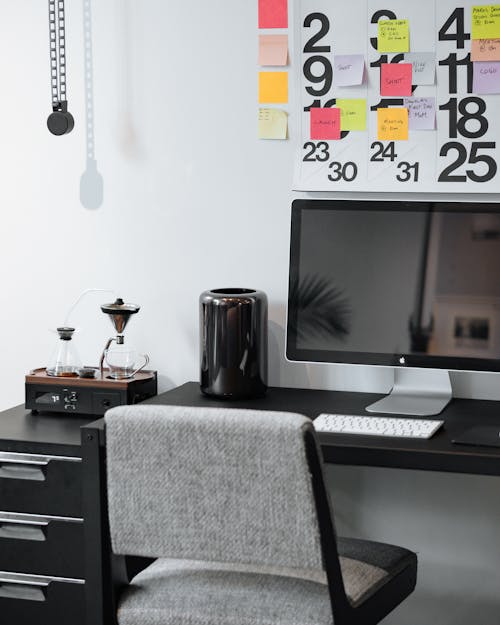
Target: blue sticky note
x,y
486,77
421,113
348,69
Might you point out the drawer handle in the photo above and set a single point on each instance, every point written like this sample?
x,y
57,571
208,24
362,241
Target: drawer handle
x,y
20,531
21,591
11,470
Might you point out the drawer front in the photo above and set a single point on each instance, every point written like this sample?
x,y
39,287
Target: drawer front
x,y
42,545
40,484
37,600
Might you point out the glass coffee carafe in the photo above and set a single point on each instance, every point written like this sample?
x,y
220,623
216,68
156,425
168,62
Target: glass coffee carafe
x,y
65,361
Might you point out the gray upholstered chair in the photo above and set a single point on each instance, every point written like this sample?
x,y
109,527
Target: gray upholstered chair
x,y
233,505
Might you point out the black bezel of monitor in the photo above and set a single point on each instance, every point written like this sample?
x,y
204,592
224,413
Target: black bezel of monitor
x,y
293,353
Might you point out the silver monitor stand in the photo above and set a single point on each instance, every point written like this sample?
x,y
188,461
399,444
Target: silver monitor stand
x,y
419,392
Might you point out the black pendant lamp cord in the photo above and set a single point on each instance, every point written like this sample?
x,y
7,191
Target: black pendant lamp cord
x,y
60,121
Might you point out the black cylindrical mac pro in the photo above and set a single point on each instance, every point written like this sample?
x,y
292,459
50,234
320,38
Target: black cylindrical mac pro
x,y
233,343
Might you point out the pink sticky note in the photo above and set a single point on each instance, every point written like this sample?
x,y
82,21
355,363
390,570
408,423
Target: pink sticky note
x,y
273,13
273,49
325,123
395,79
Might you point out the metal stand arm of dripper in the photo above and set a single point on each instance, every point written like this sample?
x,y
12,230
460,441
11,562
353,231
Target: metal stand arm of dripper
x,y
119,341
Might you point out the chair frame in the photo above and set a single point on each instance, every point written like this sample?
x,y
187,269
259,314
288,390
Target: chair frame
x,y
106,573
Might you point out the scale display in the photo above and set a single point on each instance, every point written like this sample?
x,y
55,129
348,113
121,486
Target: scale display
x,y
454,150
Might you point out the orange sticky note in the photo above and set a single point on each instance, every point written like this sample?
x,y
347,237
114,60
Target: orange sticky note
x,y
273,87
392,124
273,49
273,13
395,79
325,123
485,50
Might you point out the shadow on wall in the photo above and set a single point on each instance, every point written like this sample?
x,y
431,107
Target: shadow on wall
x,y
282,372
128,135
165,383
91,181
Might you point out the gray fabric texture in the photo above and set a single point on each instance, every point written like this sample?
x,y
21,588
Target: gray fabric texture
x,y
390,558
178,592
368,565
173,592
211,484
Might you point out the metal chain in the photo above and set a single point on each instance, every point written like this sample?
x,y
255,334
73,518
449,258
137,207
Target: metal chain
x,y
62,49
53,52
57,42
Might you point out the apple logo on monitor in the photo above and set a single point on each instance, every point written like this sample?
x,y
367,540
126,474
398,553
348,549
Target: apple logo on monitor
x,y
402,360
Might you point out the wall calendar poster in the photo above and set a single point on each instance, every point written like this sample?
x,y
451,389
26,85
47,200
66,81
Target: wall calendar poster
x,y
417,112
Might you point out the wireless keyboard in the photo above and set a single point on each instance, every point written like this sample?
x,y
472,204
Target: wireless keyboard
x,y
376,426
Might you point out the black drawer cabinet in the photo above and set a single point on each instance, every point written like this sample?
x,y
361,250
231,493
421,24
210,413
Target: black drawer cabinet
x,y
42,578
28,599
53,545
47,484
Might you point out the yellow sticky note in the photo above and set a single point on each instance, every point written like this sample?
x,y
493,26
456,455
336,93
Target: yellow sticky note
x,y
393,36
392,124
352,114
273,124
273,87
486,21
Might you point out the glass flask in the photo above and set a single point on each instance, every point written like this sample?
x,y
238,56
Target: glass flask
x,y
65,360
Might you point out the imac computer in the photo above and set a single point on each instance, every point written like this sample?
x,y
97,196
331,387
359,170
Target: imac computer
x,y
410,285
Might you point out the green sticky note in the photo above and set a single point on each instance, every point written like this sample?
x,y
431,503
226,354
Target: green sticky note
x,y
352,114
486,21
273,124
393,36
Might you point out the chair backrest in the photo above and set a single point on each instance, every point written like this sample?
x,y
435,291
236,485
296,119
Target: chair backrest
x,y
212,484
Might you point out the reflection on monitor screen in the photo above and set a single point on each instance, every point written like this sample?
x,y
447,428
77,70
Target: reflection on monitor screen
x,y
387,283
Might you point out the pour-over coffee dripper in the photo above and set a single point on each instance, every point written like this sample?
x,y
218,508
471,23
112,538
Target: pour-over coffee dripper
x,y
119,314
65,361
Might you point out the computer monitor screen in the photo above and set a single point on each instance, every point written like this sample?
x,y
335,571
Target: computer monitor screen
x,y
395,283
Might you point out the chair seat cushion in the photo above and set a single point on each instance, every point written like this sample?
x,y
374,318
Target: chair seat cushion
x,y
187,592
367,566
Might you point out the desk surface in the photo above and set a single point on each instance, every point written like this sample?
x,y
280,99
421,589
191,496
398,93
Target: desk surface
x,y
21,431
435,454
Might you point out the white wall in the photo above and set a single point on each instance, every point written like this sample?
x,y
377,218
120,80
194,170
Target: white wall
x,y
191,201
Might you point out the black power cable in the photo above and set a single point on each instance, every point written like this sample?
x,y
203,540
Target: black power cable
x,y
60,121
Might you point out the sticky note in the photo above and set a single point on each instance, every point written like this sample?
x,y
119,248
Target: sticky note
x,y
273,13
273,87
393,36
485,50
273,49
395,79
486,21
325,123
421,113
273,124
348,69
423,67
486,77
392,124
352,113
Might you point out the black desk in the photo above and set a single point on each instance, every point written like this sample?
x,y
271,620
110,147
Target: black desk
x,y
435,454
